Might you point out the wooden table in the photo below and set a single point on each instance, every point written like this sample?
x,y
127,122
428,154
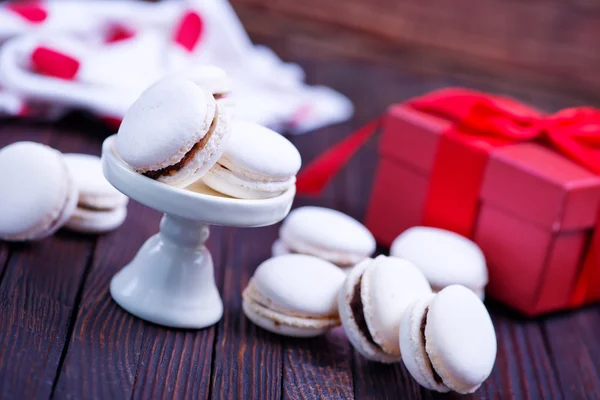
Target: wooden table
x,y
62,336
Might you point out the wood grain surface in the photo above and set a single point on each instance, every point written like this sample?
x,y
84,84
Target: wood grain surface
x,y
62,336
551,41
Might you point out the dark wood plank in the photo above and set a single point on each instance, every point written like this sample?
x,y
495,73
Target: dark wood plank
x,y
296,39
8,134
490,35
318,368
177,363
247,360
4,255
524,367
111,354
37,298
103,354
380,381
573,342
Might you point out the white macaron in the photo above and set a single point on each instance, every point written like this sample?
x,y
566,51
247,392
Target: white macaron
x,y
211,78
327,234
294,295
259,163
444,257
96,221
372,302
38,193
101,207
94,190
174,132
448,341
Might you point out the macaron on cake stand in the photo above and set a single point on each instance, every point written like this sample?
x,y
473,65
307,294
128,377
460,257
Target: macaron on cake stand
x,y
171,279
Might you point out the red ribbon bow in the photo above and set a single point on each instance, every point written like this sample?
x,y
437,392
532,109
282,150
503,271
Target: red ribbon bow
x,y
574,132
486,122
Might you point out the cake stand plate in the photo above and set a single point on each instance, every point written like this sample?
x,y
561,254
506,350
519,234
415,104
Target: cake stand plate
x,y
171,279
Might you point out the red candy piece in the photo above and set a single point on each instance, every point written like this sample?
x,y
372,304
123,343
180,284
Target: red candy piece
x,y
189,30
33,12
47,61
118,33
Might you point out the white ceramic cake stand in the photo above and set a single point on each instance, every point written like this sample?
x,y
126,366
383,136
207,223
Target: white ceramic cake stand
x,y
171,279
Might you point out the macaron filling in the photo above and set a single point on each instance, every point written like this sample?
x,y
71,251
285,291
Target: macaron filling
x,y
187,158
356,306
280,318
436,377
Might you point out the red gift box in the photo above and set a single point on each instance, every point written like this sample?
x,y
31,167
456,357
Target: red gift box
x,y
520,184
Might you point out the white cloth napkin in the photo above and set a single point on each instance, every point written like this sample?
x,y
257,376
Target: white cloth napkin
x,y
99,55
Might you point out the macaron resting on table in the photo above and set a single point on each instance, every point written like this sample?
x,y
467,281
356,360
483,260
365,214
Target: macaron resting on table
x,y
176,131
42,195
294,295
372,300
258,163
448,340
101,207
325,233
444,257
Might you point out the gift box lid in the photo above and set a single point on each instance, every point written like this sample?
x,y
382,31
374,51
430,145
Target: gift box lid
x,y
540,185
526,179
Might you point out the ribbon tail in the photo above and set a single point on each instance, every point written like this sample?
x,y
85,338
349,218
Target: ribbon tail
x,y
313,178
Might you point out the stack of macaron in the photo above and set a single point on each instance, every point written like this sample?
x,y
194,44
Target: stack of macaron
x,y
46,191
181,130
325,233
446,340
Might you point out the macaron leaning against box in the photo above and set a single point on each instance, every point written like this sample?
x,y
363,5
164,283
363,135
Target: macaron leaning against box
x,y
174,132
325,233
101,207
258,164
38,193
372,301
294,295
448,341
444,257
